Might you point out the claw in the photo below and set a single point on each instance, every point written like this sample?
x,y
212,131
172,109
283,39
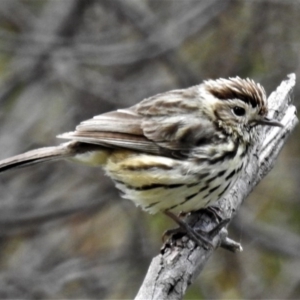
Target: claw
x,y
212,233
215,211
172,232
199,239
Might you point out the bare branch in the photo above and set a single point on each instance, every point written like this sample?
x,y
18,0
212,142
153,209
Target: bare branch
x,y
29,69
159,39
180,262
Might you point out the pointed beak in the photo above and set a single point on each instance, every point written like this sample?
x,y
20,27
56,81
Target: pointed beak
x,y
269,122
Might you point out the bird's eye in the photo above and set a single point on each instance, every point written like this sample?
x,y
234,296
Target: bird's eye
x,y
239,111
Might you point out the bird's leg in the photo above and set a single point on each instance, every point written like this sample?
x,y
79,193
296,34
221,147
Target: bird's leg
x,y
175,231
215,212
200,239
199,236
212,233
221,223
226,242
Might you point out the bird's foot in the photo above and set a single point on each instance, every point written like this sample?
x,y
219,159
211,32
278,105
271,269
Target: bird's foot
x,y
200,237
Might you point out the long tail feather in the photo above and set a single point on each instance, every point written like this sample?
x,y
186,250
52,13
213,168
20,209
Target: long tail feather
x,y
36,156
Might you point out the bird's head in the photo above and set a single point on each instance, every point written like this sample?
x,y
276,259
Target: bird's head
x,y
237,105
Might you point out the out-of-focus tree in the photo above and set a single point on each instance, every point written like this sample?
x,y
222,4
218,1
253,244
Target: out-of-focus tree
x,y
64,231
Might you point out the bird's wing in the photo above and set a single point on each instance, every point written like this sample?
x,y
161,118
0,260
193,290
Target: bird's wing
x,y
117,129
163,123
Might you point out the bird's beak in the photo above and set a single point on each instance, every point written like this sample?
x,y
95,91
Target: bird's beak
x,y
269,122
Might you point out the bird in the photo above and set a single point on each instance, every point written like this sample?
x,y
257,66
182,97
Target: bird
x,y
175,152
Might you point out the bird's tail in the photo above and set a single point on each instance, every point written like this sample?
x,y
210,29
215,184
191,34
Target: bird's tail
x,y
38,155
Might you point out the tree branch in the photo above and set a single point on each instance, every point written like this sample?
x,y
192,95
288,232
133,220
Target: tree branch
x,y
181,261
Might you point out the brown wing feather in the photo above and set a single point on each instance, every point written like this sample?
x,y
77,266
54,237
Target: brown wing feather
x,y
120,121
177,133
174,121
113,139
121,128
163,123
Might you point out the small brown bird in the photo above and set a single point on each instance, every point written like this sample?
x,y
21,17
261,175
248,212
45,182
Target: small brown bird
x,y
179,151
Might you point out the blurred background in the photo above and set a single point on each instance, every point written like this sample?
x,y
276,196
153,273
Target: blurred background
x,y
64,231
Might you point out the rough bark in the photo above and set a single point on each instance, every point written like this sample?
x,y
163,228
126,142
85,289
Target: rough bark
x,y
181,261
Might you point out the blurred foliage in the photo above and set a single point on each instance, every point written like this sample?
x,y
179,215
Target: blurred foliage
x,y
64,231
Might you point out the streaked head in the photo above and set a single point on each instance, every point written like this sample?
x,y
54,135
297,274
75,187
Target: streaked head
x,y
238,104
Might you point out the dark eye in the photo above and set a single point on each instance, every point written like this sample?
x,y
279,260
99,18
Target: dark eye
x,y
239,111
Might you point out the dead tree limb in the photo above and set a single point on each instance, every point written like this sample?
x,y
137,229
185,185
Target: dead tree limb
x,y
180,261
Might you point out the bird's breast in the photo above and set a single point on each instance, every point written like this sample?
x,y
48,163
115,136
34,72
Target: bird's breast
x,y
159,183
